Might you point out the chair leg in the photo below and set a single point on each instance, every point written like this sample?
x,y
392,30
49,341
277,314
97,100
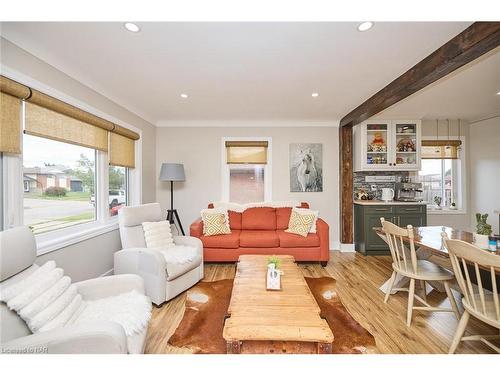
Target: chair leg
x,y
460,332
453,302
424,291
391,284
411,297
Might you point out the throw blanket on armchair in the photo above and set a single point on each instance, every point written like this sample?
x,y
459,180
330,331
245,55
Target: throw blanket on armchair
x,y
46,300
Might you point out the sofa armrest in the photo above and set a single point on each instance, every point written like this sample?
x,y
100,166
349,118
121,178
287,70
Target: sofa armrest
x,y
86,338
149,264
196,228
188,241
109,286
323,231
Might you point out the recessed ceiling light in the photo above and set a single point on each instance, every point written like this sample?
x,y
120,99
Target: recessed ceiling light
x,y
132,27
315,94
498,93
184,96
365,26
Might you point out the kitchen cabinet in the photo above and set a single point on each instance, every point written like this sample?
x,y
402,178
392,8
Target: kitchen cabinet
x,y
382,145
367,215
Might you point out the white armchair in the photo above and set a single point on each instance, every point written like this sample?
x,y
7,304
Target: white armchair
x,y
163,280
18,254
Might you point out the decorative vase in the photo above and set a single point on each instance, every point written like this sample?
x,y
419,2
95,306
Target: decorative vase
x,y
480,240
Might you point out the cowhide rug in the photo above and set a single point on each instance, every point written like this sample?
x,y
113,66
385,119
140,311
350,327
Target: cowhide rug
x,y
206,305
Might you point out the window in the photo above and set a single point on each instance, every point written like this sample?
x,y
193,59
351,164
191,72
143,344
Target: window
x,y
246,170
118,189
442,176
59,184
65,171
246,183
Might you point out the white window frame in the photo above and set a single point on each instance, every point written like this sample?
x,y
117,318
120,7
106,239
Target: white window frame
x,y
460,182
13,186
268,168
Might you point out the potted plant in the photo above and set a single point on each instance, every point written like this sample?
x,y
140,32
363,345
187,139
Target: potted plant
x,y
274,260
437,200
483,231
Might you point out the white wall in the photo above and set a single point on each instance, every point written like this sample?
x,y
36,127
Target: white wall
x,y
199,149
485,170
92,257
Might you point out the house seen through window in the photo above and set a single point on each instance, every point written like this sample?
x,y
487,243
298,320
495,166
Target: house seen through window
x,y
58,181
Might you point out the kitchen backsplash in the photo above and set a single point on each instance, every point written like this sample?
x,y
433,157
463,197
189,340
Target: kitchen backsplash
x,y
359,181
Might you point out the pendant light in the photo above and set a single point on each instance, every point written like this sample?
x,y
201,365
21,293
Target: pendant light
x,y
459,147
437,151
448,146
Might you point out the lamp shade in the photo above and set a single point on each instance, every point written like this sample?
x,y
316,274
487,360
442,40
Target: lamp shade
x,y
172,172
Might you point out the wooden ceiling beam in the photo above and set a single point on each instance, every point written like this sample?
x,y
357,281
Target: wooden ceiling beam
x,y
473,42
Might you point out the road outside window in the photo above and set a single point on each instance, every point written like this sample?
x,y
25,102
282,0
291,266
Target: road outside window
x,y
118,189
59,181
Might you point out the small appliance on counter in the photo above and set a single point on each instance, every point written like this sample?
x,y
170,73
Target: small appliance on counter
x,y
387,194
408,191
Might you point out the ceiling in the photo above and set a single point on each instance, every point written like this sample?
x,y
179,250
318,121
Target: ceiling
x,y
470,93
233,71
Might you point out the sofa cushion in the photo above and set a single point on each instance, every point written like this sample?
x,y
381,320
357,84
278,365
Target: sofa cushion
x,y
283,215
235,220
290,240
259,218
223,241
259,238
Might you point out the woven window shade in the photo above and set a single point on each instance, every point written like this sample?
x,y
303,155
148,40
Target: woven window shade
x,y
121,151
46,123
10,124
243,152
440,149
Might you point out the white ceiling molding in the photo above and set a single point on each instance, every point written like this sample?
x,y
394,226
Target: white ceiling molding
x,y
249,124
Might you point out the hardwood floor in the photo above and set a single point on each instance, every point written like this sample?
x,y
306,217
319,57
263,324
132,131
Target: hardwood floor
x,y
358,279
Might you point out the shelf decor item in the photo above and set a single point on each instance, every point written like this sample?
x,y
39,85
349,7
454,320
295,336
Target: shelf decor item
x,y
437,200
483,231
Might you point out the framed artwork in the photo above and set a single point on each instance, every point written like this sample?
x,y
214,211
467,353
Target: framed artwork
x,y
306,167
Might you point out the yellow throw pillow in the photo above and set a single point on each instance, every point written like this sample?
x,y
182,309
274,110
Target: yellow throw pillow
x,y
300,224
214,223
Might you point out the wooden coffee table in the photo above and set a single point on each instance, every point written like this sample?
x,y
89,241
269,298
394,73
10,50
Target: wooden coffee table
x,y
290,314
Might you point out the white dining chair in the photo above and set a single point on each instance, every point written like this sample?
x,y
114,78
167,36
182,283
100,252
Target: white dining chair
x,y
405,263
467,260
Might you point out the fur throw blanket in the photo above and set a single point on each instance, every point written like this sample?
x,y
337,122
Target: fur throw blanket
x,y
47,300
237,207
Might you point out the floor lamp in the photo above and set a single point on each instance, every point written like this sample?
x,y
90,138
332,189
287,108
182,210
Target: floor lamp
x,y
173,172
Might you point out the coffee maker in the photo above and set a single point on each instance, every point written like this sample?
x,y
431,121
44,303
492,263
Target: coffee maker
x,y
408,191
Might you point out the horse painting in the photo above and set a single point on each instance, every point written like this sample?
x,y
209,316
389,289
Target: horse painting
x,y
306,167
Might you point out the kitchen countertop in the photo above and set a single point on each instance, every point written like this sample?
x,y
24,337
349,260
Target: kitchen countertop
x,y
378,203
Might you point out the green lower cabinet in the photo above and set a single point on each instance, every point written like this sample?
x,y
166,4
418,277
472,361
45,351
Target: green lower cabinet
x,y
366,217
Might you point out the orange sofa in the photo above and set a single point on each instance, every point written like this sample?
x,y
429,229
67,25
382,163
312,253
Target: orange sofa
x,y
261,230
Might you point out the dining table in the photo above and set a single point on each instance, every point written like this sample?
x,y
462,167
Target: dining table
x,y
429,245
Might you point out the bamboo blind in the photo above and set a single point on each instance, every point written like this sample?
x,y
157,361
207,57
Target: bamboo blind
x,y
10,124
52,118
440,149
246,152
121,151
46,123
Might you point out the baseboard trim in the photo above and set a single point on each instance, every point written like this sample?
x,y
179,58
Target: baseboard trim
x,y
347,248
107,273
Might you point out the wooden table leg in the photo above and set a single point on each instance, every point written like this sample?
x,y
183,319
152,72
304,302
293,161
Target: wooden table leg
x,y
233,347
324,348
